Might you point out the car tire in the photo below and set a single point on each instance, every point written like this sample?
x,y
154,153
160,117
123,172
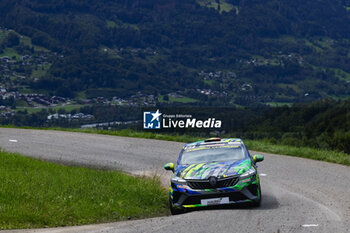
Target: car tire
x,y
175,211
257,203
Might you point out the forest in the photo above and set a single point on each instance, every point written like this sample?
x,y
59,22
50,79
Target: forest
x,y
280,49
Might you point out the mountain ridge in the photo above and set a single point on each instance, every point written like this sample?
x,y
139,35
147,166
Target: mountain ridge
x,y
283,50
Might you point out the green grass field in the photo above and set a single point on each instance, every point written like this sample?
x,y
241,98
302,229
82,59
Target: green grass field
x,y
24,40
35,193
341,74
182,100
209,82
224,6
10,52
178,100
67,108
40,71
21,103
313,46
28,41
112,24
279,104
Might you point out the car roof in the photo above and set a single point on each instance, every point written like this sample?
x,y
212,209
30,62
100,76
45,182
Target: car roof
x,y
214,142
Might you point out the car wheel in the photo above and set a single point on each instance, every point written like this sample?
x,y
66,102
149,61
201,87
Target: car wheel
x,y
175,211
257,203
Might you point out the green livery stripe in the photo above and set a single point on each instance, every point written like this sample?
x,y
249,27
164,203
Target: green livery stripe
x,y
209,190
242,165
194,169
189,206
202,171
186,170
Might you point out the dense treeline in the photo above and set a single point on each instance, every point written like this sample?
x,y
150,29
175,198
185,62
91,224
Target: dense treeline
x,y
82,23
188,38
323,124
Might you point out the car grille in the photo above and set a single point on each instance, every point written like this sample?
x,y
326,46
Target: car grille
x,y
204,184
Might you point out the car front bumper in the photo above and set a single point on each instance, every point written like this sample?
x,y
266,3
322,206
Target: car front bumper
x,y
182,196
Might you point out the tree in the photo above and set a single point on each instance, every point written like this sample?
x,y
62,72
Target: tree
x,y
12,39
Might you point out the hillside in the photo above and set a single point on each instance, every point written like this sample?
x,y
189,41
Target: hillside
x,y
201,52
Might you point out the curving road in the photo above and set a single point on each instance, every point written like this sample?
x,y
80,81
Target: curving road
x,y
299,195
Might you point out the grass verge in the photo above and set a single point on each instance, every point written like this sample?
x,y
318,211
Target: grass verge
x,y
303,152
35,193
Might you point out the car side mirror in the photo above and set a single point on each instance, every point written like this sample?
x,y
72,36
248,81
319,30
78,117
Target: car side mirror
x,y
258,158
169,167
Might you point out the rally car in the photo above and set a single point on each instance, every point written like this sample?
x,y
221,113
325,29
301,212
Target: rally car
x,y
214,172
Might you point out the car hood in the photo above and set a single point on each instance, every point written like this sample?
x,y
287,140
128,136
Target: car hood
x,y
217,169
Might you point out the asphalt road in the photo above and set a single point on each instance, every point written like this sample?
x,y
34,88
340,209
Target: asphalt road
x,y
299,195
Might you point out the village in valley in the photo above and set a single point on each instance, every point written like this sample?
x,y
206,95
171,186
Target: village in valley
x,y
23,65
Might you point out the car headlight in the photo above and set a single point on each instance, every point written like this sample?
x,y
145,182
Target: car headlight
x,y
248,173
177,179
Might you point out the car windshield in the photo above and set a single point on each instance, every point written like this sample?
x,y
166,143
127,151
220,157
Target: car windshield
x,y
212,154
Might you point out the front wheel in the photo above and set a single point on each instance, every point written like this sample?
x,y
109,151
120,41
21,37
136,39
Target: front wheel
x,y
257,202
174,210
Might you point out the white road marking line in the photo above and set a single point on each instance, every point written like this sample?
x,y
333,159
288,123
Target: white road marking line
x,y
310,225
263,174
13,140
